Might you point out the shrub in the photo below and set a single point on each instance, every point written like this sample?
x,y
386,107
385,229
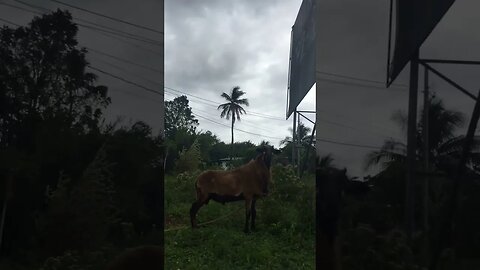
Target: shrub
x,y
189,160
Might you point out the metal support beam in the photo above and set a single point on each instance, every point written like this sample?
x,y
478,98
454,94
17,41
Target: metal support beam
x,y
458,62
308,150
451,82
306,118
411,147
307,111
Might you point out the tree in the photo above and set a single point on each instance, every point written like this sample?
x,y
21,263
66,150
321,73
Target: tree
x,y
43,77
206,141
233,107
179,115
303,143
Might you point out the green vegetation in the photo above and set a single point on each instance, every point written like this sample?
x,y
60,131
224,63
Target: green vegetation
x,y
284,238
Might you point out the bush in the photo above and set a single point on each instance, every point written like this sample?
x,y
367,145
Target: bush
x,y
189,160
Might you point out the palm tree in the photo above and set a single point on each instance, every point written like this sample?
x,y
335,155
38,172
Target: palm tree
x,y
443,144
302,146
233,109
302,135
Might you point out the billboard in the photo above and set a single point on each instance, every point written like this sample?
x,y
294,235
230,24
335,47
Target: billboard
x,y
415,20
302,56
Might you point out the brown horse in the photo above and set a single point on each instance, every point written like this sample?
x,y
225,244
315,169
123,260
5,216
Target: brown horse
x,y
248,182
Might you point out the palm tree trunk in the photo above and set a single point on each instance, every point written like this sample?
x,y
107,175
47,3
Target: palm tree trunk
x,y
231,153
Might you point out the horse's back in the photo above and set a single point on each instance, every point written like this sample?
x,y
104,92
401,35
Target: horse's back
x,y
220,182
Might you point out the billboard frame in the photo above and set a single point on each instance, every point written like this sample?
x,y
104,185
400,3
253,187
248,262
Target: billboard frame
x,y
452,206
312,12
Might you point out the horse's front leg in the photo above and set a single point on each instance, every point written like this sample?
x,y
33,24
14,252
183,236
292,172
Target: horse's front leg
x,y
248,208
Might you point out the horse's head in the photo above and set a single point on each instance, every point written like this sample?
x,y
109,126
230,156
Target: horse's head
x,y
265,153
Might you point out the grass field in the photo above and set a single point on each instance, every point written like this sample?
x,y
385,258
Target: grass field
x,y
284,238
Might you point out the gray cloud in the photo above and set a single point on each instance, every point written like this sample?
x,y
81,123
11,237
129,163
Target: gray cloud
x,y
211,46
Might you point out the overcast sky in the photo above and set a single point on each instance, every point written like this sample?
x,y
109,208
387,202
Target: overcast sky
x,y
352,41
212,46
130,102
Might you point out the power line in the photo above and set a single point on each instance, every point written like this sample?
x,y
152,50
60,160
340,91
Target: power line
x,y
9,22
349,144
322,140
106,54
240,122
331,122
209,101
352,84
21,8
347,117
359,79
128,71
119,34
125,60
127,81
108,17
87,21
350,127
131,44
137,95
216,106
236,128
86,26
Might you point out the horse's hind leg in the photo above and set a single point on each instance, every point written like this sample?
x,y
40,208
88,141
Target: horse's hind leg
x,y
248,208
194,209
